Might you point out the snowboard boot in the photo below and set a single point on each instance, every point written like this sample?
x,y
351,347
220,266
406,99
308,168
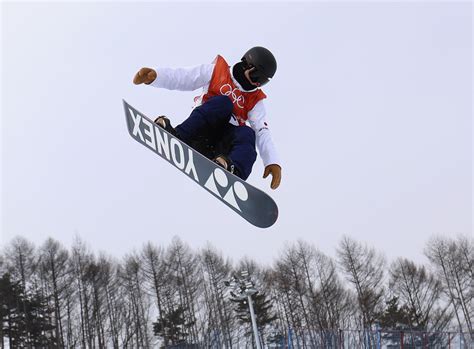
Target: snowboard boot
x,y
227,164
204,146
165,123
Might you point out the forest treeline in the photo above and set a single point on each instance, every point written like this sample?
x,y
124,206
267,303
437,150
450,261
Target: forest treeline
x,y
55,296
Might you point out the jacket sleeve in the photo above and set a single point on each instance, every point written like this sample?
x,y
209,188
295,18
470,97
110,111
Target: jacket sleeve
x,y
265,146
183,79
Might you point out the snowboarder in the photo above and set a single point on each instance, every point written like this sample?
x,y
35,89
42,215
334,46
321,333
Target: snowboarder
x,y
231,96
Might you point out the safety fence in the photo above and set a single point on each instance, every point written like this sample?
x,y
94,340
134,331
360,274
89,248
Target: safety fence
x,y
372,339
341,339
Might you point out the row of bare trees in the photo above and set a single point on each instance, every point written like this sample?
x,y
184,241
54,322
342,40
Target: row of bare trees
x,y
166,295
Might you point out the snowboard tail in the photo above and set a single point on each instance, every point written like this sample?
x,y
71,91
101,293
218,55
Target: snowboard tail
x,y
252,204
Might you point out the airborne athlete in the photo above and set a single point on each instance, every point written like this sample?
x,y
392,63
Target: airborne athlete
x,y
231,97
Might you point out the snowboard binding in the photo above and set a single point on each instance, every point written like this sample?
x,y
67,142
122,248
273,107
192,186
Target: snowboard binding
x,y
165,123
227,164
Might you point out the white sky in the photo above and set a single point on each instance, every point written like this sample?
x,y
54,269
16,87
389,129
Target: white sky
x,y
371,110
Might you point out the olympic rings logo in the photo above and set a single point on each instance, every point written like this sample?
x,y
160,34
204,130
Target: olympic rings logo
x,y
227,90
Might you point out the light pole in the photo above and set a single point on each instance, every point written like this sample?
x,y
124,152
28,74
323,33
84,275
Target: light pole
x,y
242,288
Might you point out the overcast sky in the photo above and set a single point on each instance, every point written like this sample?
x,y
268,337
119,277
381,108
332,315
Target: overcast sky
x,y
370,110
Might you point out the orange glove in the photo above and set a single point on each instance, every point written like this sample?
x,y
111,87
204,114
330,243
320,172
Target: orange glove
x,y
144,76
275,170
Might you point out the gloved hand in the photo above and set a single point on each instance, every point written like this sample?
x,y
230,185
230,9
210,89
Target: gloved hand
x,y
275,170
144,75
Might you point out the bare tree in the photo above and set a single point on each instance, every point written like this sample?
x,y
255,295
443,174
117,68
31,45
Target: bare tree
x,y
332,302
54,269
453,263
186,276
280,284
291,283
215,272
364,268
139,305
80,260
156,272
311,298
417,289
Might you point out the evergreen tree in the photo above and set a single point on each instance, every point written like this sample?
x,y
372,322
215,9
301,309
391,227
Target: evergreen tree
x,y
23,319
172,326
262,307
41,324
394,316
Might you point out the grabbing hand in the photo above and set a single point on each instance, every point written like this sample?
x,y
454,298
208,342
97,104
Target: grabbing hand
x,y
275,170
144,76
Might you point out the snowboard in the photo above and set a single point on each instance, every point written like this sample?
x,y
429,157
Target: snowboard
x,y
252,204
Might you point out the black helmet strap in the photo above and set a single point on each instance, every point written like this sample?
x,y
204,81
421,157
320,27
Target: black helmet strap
x,y
238,71
256,75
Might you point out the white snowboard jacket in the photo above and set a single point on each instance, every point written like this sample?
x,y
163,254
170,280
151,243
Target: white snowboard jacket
x,y
192,78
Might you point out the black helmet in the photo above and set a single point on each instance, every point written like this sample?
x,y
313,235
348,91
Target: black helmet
x,y
264,63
